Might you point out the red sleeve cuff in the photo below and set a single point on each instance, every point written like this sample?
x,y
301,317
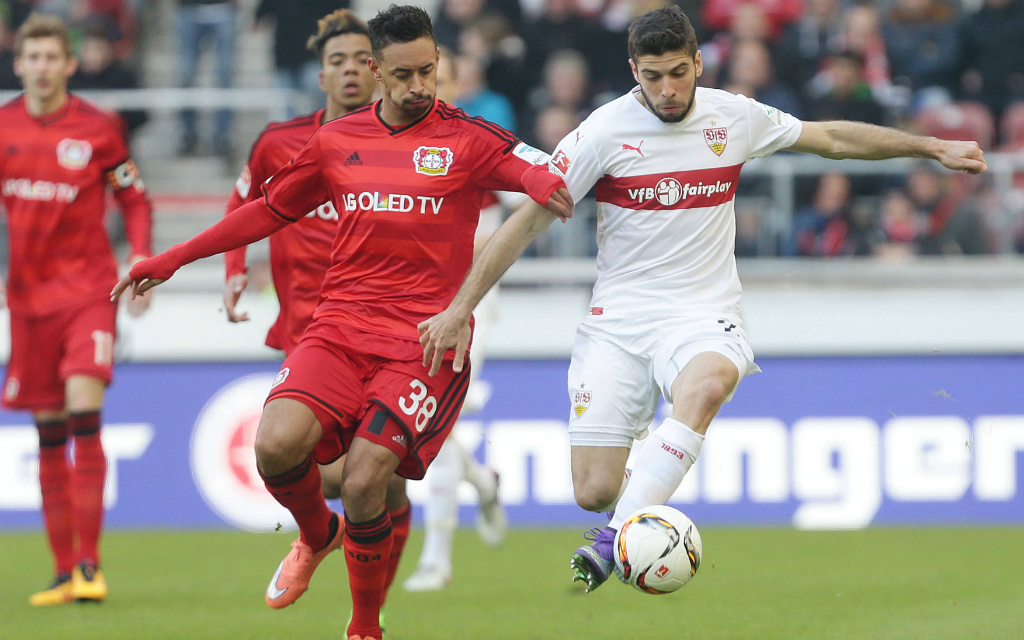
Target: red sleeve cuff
x,y
541,184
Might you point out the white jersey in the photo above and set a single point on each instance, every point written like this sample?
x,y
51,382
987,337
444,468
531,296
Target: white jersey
x,y
666,227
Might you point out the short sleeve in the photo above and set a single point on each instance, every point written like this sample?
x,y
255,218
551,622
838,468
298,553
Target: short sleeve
x,y
298,187
575,160
770,129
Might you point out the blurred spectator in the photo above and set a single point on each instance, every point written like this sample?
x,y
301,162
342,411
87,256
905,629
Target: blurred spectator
x,y
865,234
98,68
718,14
553,124
750,73
946,225
862,34
992,55
921,39
807,42
79,14
565,86
820,228
501,55
559,27
847,96
455,16
200,21
476,99
293,24
8,81
749,22
899,226
748,229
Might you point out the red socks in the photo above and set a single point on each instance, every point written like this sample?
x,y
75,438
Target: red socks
x,y
400,525
55,485
368,548
298,490
87,486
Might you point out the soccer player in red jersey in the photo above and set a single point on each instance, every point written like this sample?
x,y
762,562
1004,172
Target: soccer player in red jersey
x,y
407,176
301,253
58,156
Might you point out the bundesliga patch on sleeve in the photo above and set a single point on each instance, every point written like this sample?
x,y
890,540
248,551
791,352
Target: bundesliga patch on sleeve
x,y
773,114
530,154
560,164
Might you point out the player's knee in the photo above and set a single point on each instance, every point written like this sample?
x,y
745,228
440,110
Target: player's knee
x,y
363,496
708,394
595,495
278,450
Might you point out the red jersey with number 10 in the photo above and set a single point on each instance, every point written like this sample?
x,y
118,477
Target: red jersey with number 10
x,y
408,202
301,252
54,171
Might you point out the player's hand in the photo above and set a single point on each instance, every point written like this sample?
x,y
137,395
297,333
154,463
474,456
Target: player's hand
x,y
138,288
233,289
447,330
560,203
138,305
962,155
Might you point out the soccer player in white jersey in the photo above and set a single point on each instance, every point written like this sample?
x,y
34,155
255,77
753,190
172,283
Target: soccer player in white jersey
x,y
664,318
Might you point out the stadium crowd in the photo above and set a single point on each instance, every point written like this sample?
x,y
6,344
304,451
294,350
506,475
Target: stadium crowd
x,y
538,67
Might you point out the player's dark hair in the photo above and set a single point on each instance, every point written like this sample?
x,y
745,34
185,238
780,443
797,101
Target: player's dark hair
x,y
338,23
660,31
39,25
399,24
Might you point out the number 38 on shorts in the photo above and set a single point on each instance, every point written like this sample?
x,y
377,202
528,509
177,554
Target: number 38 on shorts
x,y
418,403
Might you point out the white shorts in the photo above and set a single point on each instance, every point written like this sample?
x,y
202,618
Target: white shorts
x,y
620,367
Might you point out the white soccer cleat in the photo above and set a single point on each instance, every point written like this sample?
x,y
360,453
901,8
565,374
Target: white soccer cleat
x,y
427,579
491,523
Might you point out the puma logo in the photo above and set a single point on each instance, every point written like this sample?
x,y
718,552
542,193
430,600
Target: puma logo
x,y
626,147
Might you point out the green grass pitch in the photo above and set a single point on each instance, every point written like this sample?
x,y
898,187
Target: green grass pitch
x,y
756,584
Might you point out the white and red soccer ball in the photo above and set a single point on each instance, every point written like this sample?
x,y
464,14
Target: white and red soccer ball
x,y
657,550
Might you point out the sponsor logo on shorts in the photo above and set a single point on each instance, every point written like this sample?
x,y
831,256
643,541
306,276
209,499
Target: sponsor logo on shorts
x,y
596,311
73,154
282,375
433,161
400,439
244,183
717,138
12,388
581,400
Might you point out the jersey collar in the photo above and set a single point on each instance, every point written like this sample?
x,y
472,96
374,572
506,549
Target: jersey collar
x,y
395,131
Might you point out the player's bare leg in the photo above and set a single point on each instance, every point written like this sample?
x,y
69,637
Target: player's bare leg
x,y
84,397
287,434
369,535
598,478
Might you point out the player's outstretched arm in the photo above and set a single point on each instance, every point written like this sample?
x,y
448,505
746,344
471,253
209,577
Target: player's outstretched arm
x,y
231,232
450,328
844,139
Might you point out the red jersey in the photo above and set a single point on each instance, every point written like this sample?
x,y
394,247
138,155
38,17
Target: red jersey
x,y
408,202
54,171
301,252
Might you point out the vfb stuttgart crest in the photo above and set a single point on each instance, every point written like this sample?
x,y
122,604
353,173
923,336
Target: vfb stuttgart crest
x,y
717,138
433,161
73,154
580,401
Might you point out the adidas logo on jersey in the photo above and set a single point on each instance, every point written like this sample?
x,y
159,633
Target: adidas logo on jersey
x,y
353,159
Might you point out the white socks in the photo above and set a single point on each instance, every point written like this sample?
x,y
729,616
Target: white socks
x,y
659,468
441,509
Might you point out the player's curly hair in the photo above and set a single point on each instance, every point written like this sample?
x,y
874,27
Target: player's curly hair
x,y
662,30
337,23
399,24
40,25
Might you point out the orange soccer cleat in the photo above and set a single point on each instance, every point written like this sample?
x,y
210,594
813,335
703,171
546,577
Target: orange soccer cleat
x,y
296,570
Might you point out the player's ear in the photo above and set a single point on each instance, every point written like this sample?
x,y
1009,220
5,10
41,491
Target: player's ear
x,y
17,66
71,67
636,73
374,67
320,80
698,64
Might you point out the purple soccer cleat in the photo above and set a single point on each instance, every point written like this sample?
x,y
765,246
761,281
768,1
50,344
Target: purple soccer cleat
x,y
593,563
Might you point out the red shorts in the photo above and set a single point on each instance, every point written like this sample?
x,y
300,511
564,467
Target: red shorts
x,y
373,387
46,350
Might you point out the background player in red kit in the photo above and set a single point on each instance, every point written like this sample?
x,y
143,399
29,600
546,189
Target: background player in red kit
x,y
407,175
300,253
58,155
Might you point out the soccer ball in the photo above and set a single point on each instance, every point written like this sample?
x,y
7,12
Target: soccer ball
x,y
657,550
